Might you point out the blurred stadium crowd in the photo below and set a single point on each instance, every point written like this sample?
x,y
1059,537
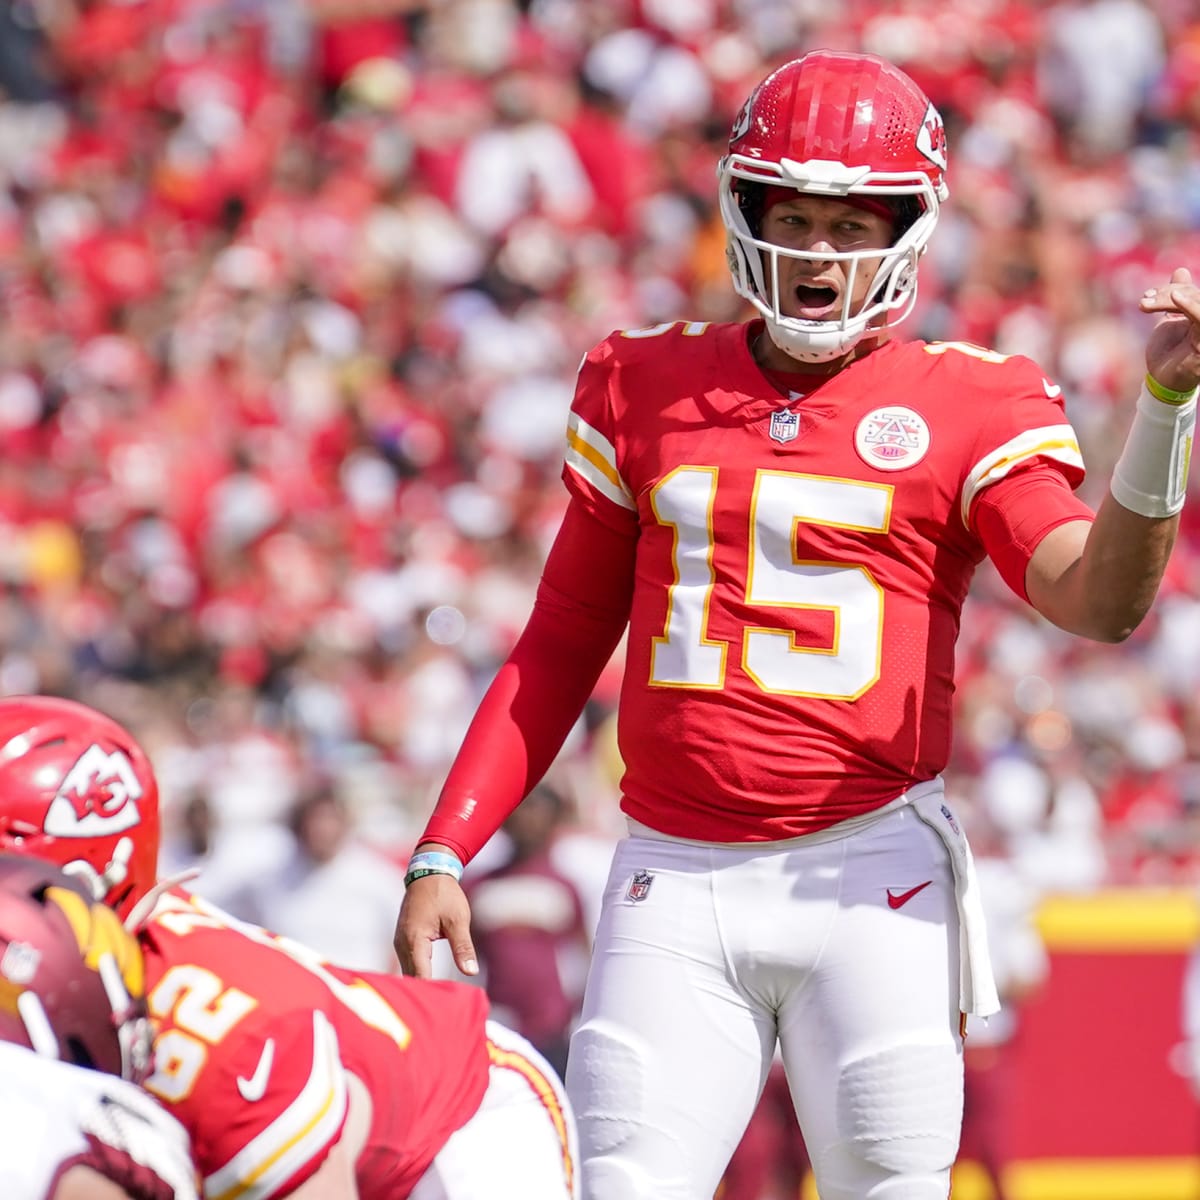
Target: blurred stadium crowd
x,y
293,293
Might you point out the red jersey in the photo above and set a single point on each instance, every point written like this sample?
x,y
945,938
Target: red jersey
x,y
255,1034
800,566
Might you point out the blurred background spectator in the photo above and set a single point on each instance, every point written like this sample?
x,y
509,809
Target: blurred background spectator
x,y
527,921
331,892
771,1161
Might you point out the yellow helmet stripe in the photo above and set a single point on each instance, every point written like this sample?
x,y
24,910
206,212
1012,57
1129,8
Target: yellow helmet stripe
x,y
98,931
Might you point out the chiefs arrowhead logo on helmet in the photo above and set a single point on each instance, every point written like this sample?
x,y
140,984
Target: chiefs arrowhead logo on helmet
x,y
741,123
98,796
931,138
77,789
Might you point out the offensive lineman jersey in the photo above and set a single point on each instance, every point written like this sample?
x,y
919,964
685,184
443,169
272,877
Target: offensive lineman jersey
x,y
54,1115
800,566
255,1034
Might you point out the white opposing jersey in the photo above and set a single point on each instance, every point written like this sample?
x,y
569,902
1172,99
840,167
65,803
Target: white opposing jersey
x,y
55,1115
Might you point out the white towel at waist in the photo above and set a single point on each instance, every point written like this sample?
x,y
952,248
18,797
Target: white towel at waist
x,y
977,985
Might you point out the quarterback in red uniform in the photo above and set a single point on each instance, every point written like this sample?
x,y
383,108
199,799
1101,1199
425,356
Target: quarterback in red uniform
x,y
292,1076
785,515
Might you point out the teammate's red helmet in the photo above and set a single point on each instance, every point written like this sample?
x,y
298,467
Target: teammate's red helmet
x,y
77,790
849,127
71,977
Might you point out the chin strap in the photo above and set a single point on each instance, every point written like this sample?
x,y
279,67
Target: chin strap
x,y
821,346
135,1034
145,906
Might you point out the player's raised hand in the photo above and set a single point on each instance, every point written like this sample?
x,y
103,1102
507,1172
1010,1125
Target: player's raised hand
x,y
434,907
1173,348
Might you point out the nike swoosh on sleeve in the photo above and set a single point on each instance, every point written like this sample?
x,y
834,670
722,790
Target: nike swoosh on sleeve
x,y
255,1087
306,1128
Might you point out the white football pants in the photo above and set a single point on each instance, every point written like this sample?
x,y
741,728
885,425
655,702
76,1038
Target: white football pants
x,y
520,1144
705,955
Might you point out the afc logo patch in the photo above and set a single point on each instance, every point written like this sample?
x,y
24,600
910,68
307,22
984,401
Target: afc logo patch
x,y
892,438
639,886
784,425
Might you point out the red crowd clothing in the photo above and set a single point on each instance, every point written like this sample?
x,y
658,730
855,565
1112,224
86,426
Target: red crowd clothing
x,y
581,609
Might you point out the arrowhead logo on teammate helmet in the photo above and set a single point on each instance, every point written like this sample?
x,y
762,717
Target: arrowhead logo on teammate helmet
x,y
98,796
741,123
931,137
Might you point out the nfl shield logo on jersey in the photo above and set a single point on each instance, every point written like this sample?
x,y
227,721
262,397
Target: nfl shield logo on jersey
x,y
784,425
639,886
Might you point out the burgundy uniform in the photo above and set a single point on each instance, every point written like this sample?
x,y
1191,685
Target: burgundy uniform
x,y
57,1116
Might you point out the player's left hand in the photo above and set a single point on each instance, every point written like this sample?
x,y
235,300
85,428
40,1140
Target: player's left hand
x,y
1173,348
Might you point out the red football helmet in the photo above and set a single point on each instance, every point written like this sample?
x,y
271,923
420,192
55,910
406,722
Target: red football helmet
x,y
77,790
846,127
71,977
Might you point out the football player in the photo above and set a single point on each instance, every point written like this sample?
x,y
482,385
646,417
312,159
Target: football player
x,y
73,1031
785,515
292,1076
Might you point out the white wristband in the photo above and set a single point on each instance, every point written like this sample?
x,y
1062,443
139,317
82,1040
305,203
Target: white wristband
x,y
433,862
1150,477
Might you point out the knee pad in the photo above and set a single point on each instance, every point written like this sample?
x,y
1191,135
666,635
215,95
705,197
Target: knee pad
x,y
617,1179
625,1153
900,1112
605,1084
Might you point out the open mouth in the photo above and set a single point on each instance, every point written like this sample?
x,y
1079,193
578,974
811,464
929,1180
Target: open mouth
x,y
817,303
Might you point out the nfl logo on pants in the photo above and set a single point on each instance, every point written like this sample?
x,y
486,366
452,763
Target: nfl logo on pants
x,y
784,425
639,886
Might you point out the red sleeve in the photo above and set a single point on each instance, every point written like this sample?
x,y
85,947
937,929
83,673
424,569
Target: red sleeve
x,y
580,613
1012,516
